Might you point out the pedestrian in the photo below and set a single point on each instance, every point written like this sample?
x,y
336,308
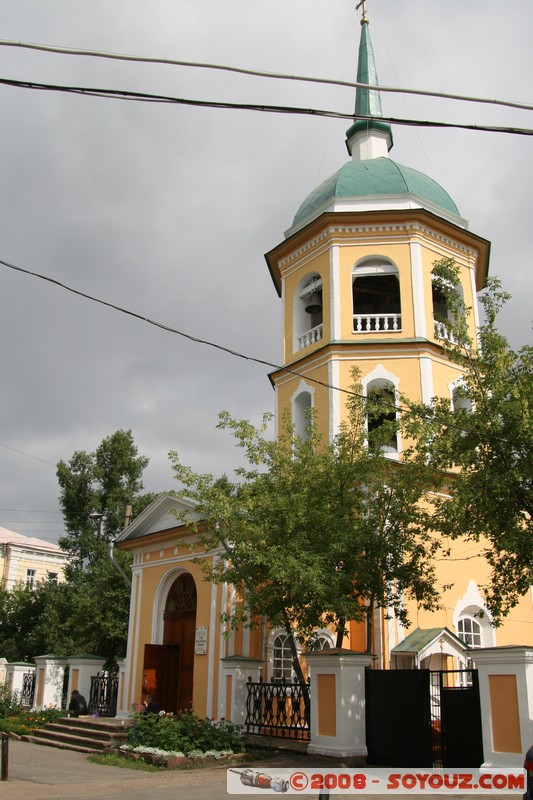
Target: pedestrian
x,y
150,706
78,704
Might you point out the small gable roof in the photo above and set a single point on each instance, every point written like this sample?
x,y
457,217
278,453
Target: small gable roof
x,y
422,638
157,517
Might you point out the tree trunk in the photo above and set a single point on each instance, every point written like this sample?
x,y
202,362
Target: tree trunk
x,y
340,632
297,666
370,625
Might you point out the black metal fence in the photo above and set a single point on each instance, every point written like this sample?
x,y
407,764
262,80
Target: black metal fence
x,y
456,718
278,709
64,690
28,688
103,695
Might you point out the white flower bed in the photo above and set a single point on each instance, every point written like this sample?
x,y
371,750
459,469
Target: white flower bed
x,y
155,751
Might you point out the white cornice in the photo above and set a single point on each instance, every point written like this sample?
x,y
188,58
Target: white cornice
x,y
358,232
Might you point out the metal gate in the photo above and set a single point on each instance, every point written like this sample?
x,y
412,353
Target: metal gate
x,y
64,691
398,718
456,718
104,694
418,718
28,688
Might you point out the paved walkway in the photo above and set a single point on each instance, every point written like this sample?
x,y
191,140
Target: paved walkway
x,y
48,773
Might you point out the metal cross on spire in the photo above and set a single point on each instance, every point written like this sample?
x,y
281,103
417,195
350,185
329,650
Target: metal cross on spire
x,y
362,3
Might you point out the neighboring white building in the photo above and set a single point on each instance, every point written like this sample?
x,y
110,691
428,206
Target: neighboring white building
x,y
27,560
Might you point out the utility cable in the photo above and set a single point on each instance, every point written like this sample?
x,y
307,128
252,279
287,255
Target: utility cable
x,y
36,458
260,73
216,346
144,97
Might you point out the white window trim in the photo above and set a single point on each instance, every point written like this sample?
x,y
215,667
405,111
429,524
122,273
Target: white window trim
x,y
272,636
379,373
468,605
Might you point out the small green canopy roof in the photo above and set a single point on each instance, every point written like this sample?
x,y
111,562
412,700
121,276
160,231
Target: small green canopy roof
x,y
421,638
378,177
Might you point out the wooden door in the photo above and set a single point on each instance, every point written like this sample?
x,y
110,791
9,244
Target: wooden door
x,y
161,675
180,630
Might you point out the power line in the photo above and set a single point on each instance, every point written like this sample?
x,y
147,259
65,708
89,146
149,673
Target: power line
x,y
261,73
169,329
144,97
216,346
22,453
30,511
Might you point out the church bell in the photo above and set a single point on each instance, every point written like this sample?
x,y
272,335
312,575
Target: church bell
x,y
313,303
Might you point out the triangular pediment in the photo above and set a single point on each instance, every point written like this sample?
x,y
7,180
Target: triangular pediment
x,y
159,516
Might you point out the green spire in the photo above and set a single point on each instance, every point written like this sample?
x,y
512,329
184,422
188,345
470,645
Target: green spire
x,y
367,101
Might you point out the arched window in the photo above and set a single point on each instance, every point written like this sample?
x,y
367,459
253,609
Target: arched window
x,y
321,640
382,415
376,297
443,317
181,598
307,311
301,406
472,620
470,632
460,400
282,658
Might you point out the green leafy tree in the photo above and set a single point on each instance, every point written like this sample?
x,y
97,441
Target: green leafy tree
x,y
96,596
486,437
105,482
21,639
316,533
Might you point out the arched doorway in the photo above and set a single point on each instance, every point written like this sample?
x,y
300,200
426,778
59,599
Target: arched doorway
x,y
169,667
179,630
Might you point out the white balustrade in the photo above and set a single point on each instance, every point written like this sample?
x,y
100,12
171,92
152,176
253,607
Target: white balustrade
x,y
377,323
311,336
442,331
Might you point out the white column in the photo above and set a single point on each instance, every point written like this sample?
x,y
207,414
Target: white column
x,y
15,672
334,398
82,669
49,684
335,294
506,695
123,707
426,380
3,675
417,277
237,670
337,680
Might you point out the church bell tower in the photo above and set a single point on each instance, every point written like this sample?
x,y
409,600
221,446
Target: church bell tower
x,y
354,273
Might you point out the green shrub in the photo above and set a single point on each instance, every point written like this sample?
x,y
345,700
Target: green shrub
x,y
9,702
23,722
185,732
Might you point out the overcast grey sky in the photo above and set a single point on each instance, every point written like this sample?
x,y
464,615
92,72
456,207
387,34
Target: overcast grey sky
x,y
168,210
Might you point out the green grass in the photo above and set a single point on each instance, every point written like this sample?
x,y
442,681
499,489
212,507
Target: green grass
x,y
114,760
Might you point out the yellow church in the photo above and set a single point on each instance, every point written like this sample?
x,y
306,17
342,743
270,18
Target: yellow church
x,y
354,274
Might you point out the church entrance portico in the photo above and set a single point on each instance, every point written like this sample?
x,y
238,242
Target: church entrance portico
x,y
168,668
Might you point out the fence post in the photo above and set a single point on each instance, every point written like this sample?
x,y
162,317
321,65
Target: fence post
x,y
5,757
236,671
338,703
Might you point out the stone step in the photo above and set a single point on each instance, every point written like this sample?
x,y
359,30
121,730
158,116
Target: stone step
x,y
62,745
89,732
86,735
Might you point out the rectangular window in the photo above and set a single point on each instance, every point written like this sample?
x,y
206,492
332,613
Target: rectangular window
x,y
31,575
53,577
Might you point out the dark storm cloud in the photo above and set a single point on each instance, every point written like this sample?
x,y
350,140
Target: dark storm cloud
x,y
167,211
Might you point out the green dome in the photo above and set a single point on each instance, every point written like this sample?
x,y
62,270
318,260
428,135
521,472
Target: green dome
x,y
377,176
